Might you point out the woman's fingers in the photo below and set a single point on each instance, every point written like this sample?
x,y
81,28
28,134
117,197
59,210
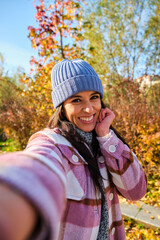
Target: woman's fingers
x,y
104,113
105,119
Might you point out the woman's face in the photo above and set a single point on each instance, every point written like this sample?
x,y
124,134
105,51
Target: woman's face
x,y
82,109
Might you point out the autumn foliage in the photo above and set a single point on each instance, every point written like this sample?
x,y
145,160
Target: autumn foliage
x,y
57,36
137,119
56,22
63,31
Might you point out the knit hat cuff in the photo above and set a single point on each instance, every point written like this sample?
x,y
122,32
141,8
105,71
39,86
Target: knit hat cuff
x,y
74,85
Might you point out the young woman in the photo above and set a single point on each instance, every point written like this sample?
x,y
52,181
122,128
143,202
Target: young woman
x,y
65,184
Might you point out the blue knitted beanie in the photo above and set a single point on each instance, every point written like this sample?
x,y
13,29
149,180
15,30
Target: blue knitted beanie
x,y
71,77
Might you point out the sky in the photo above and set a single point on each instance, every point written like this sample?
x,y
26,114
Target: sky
x,y
15,46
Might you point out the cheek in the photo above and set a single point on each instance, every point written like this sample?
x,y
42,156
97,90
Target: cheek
x,y
69,113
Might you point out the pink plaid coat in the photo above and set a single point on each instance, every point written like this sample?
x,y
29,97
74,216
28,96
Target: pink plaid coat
x,y
52,174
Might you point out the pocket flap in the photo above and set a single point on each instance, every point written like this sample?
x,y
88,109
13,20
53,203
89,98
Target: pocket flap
x,y
71,155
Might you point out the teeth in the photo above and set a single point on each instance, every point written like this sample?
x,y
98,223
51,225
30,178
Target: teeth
x,y
87,118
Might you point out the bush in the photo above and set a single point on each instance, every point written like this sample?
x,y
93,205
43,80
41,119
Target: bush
x,y
137,120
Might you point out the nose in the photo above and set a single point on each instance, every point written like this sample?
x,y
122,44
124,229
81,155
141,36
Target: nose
x,y
88,107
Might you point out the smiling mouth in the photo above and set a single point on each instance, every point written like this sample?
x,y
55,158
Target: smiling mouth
x,y
87,119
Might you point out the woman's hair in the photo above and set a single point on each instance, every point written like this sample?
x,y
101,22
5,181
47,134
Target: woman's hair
x,y
68,130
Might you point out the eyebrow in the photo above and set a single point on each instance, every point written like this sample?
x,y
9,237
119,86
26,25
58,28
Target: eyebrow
x,y
79,96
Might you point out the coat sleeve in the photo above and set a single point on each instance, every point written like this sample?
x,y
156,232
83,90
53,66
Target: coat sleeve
x,y
125,169
38,174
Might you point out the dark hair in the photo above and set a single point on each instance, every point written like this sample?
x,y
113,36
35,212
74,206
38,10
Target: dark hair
x,y
68,130
115,131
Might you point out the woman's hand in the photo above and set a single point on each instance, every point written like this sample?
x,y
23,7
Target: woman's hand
x,y
17,216
105,119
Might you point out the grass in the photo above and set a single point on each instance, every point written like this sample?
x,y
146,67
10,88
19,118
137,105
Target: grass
x,y
9,146
136,231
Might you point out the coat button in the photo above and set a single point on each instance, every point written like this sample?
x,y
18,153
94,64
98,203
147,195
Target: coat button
x,y
112,148
111,196
75,158
113,231
101,159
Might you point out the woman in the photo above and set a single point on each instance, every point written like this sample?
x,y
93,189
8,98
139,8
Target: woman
x,y
68,178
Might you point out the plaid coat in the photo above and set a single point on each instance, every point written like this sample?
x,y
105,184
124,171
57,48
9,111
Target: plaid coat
x,y
52,174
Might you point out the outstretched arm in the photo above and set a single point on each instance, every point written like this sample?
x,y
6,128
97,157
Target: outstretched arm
x,y
37,179
17,216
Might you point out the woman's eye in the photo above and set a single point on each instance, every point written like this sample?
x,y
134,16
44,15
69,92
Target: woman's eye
x,y
95,97
76,100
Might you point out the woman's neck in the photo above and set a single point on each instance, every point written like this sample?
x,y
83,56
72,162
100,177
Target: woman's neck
x,y
87,136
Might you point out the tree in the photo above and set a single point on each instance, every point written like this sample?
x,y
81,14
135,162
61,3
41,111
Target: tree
x,y
59,30
123,37
57,36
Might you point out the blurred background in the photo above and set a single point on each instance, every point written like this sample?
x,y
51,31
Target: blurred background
x,y
120,39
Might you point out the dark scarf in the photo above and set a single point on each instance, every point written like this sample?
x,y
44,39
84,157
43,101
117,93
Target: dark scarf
x,y
87,136
103,233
